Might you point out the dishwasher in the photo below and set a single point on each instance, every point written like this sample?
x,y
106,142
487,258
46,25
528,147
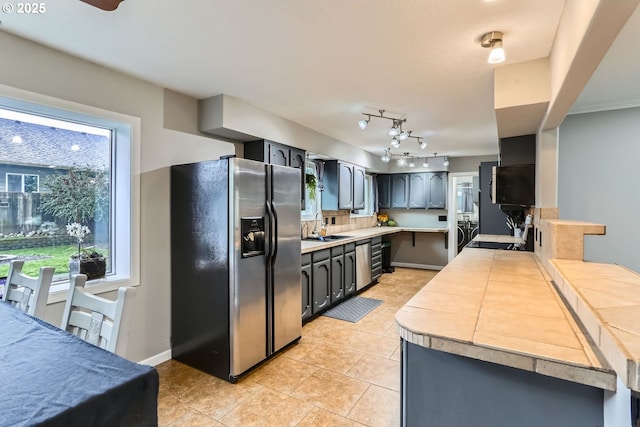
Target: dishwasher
x,y
363,264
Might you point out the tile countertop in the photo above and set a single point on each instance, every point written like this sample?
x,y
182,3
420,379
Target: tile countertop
x,y
607,300
364,233
473,308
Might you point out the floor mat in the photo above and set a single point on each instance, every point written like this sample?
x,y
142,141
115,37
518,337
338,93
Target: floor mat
x,y
353,309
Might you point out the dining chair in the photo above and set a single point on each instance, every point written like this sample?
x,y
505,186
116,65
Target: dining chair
x,y
97,320
27,293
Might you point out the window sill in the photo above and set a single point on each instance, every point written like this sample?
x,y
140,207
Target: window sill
x,y
58,292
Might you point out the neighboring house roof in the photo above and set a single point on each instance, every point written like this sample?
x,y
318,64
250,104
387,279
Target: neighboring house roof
x,y
45,145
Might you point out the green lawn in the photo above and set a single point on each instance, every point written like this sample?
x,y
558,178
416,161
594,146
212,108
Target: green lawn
x,y
57,256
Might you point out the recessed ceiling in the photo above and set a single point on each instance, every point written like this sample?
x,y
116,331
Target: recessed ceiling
x,y
318,63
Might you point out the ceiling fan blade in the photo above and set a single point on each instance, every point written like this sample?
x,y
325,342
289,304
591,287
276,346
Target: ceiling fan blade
x,y
107,5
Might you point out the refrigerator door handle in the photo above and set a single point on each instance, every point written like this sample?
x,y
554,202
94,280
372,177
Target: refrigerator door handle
x,y
274,239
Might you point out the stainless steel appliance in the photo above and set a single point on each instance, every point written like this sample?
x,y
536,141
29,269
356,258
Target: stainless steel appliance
x,y
235,263
363,264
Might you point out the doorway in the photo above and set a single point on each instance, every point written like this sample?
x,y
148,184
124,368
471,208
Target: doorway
x,y
463,218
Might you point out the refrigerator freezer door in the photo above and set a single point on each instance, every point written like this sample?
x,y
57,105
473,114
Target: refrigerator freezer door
x,y
286,303
247,276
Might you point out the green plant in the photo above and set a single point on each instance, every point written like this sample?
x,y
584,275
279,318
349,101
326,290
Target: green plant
x,y
78,195
310,181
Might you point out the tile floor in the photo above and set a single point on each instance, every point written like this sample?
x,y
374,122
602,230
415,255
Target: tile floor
x,y
339,374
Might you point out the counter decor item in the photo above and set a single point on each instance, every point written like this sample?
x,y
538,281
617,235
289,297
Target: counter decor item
x,y
383,219
87,261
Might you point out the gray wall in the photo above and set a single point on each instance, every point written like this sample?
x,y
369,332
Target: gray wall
x,y
598,158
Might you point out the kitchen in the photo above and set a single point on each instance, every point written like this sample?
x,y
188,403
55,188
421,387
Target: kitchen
x,y
170,136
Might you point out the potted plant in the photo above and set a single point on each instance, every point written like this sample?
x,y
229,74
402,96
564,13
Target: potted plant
x,y
310,181
87,261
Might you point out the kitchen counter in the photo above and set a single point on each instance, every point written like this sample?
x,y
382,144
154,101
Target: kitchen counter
x,y
475,308
607,299
365,233
490,341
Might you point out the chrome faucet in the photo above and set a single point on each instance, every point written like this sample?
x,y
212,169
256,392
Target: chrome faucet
x,y
315,225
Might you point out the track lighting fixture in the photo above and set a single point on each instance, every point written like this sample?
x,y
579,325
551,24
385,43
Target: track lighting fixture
x,y
446,161
386,157
425,164
396,132
363,123
395,142
412,164
493,40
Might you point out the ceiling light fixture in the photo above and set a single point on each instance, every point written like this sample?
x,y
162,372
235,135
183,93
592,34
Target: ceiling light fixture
x,y
493,40
386,157
395,142
446,161
363,123
394,130
425,164
411,163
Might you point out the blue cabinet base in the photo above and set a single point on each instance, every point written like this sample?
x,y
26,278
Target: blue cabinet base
x,y
442,389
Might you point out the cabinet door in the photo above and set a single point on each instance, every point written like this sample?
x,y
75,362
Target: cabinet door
x,y
399,191
418,190
358,188
437,190
337,278
345,186
320,280
278,154
305,282
384,191
297,160
350,273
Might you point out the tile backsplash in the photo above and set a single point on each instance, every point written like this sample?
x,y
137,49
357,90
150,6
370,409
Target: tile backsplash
x,y
339,222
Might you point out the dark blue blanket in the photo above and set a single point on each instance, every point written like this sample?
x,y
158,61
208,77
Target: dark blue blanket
x,y
49,377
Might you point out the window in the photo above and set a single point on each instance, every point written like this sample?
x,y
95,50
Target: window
x,y
368,198
49,147
313,202
22,183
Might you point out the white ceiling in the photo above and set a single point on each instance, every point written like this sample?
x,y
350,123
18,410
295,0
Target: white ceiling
x,y
322,63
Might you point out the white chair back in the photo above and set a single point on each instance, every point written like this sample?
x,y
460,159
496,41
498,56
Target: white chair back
x,y
97,320
27,293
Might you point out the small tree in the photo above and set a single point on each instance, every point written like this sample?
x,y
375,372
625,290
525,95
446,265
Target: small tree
x,y
78,195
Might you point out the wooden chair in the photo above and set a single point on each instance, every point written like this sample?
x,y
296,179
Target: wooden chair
x,y
99,321
27,293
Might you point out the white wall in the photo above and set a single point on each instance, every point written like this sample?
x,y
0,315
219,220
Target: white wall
x,y
42,70
597,181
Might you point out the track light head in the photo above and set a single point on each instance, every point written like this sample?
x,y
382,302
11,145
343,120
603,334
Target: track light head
x,y
363,123
422,144
395,143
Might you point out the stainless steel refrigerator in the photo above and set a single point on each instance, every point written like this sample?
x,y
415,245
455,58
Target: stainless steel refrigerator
x,y
235,263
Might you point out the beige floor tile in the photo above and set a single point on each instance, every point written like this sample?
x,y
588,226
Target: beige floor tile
x,y
215,397
170,409
376,345
379,407
321,418
377,370
282,374
194,418
330,357
268,408
396,354
331,391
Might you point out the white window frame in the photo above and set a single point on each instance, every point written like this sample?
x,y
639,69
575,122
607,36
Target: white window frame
x,y
125,180
310,215
22,175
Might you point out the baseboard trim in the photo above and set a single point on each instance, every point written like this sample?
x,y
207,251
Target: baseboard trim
x,y
419,266
157,359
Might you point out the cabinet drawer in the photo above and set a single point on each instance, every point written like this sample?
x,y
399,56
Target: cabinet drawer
x,y
306,259
376,272
321,255
338,250
349,247
376,249
376,240
376,261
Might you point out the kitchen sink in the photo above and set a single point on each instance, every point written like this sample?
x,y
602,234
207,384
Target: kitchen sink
x,y
326,238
